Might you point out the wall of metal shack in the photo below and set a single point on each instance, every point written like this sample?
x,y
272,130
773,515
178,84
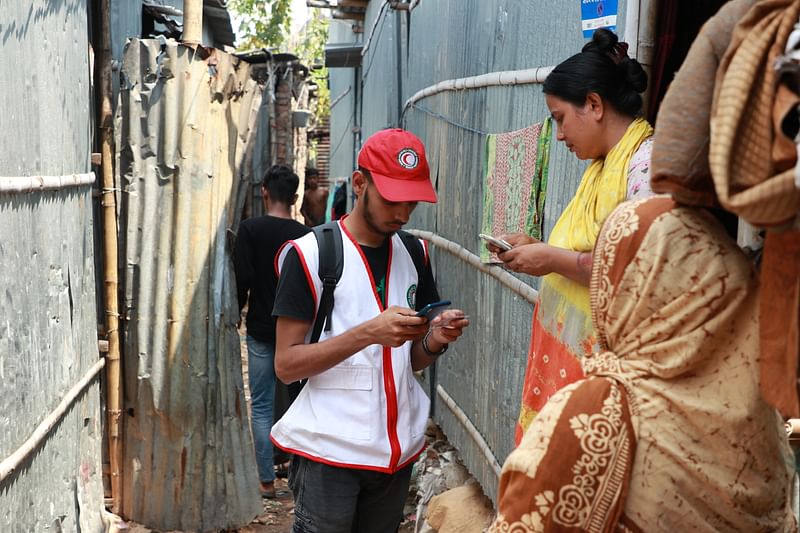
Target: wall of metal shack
x,y
48,330
186,121
345,88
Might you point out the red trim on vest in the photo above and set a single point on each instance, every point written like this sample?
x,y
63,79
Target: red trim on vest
x,y
383,470
413,457
366,265
425,252
275,263
307,271
389,383
391,406
389,390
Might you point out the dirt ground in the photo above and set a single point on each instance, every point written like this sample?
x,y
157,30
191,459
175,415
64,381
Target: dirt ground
x,y
278,514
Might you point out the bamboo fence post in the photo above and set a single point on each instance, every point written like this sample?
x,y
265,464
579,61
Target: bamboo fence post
x,y
192,22
27,184
471,430
12,463
516,285
110,260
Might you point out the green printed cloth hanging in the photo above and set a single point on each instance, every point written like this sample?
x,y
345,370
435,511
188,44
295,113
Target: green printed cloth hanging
x,y
515,182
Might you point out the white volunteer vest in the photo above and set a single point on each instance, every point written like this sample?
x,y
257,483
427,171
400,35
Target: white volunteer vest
x,y
368,411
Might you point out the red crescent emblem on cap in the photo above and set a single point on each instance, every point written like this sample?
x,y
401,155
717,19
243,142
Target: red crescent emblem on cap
x,y
408,158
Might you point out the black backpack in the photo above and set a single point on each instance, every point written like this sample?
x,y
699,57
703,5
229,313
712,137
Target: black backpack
x,y
331,264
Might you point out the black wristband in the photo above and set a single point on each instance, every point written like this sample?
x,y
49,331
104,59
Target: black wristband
x,y
428,350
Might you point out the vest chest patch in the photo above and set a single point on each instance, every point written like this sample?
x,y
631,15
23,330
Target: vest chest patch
x,y
411,295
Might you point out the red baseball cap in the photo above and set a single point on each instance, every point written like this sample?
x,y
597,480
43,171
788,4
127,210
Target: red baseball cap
x,y
396,161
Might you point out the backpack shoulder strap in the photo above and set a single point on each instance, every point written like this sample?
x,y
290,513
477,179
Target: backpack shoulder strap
x,y
415,249
331,264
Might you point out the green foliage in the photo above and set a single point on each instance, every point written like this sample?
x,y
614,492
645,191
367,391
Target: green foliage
x,y
311,51
264,23
267,23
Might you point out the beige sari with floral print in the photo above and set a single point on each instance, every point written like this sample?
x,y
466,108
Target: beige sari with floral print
x,y
668,432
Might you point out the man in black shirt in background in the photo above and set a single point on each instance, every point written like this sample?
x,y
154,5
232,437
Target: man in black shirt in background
x,y
257,243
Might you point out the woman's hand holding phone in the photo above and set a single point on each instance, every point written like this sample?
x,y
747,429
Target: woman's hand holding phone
x,y
495,244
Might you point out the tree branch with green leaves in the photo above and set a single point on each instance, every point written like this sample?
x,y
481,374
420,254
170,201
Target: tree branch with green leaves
x,y
267,24
264,23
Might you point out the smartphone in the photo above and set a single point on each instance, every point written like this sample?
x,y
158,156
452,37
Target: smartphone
x,y
500,243
434,309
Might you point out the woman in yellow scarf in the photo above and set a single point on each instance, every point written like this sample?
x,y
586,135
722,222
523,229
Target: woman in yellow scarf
x,y
594,99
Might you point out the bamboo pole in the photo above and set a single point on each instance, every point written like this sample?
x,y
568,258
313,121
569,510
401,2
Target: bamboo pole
x,y
27,184
192,21
13,462
110,258
471,430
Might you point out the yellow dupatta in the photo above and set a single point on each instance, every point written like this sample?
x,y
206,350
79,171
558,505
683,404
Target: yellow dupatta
x,y
603,187
562,331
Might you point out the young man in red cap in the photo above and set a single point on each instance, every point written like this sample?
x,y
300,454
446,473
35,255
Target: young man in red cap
x,y
359,423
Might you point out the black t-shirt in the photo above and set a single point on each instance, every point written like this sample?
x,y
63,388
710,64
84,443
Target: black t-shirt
x,y
295,300
257,243
340,202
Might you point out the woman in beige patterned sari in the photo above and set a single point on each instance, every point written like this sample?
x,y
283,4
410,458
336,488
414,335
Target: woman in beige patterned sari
x,y
668,432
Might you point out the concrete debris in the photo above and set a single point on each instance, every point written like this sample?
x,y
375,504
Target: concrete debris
x,y
113,523
440,476
463,509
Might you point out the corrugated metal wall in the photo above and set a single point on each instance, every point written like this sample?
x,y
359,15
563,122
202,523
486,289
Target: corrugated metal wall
x,y
186,124
343,120
277,140
48,331
259,154
448,39
345,87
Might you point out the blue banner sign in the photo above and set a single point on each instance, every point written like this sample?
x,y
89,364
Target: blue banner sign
x,y
598,14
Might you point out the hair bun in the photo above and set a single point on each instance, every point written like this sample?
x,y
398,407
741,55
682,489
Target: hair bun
x,y
607,42
603,40
635,76
603,66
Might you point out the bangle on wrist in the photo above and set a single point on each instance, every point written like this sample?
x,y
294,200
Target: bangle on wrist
x,y
584,261
428,350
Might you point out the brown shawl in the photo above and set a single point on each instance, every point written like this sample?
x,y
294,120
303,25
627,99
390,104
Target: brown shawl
x,y
752,163
680,153
719,143
668,432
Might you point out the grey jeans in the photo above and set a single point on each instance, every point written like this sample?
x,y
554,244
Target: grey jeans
x,y
329,499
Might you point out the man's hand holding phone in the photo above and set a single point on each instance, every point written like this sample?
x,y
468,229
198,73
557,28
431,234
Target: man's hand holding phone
x,y
446,325
395,326
434,309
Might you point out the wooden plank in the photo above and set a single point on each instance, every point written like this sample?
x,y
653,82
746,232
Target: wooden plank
x,y
344,15
354,3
